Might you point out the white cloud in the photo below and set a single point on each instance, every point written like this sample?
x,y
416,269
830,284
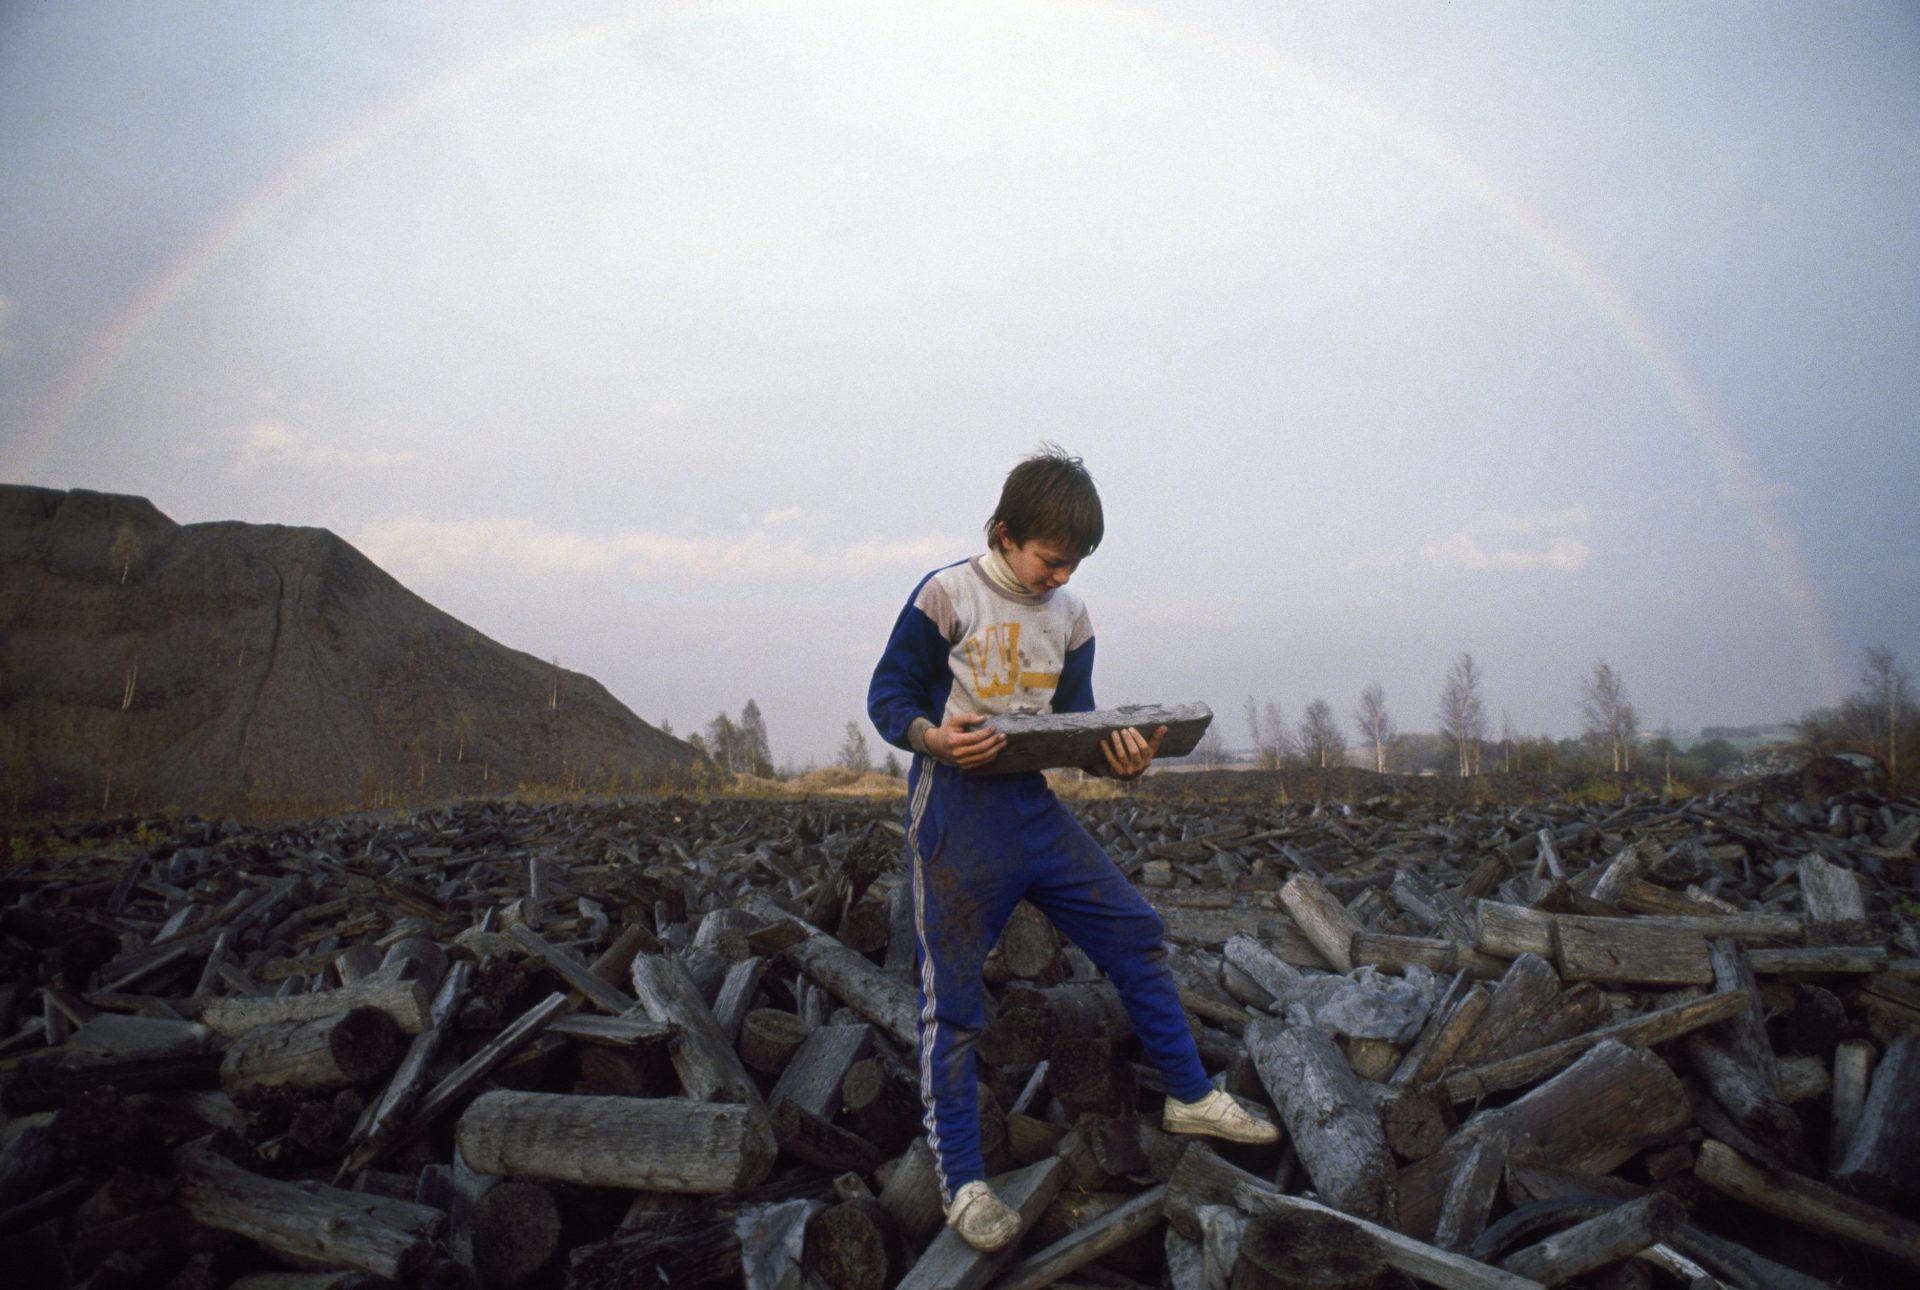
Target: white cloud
x,y
1465,550
1501,542
274,443
415,545
780,516
1567,517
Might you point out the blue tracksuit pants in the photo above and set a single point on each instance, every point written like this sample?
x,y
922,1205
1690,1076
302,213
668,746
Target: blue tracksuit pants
x,y
978,845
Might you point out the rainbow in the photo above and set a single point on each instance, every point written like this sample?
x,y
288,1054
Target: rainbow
x,y
95,364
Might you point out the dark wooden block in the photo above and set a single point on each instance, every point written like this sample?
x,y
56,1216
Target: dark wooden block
x,y
1039,741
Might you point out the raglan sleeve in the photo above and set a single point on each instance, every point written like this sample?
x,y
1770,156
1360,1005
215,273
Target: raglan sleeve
x,y
1075,690
911,680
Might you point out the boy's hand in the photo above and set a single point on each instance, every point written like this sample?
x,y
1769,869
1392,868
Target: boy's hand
x,y
952,741
1128,754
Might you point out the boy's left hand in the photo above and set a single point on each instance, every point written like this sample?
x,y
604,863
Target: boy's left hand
x,y
1128,753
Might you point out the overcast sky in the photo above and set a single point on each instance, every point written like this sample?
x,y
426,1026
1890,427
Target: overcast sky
x,y
678,340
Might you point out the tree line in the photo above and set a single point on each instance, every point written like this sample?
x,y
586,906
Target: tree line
x,y
1879,718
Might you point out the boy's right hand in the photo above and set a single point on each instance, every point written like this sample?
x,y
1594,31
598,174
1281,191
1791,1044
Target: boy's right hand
x,y
954,742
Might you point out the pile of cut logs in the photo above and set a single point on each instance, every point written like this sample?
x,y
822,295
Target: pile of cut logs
x,y
670,1043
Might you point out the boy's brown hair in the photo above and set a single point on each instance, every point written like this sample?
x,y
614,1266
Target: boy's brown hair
x,y
1050,496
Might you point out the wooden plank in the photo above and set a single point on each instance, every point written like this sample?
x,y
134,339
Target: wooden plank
x,y
1077,1249
1651,1028
1044,741
949,1263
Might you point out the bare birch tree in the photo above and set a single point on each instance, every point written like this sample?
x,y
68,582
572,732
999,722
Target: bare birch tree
x,y
1885,697
1376,727
1268,726
1273,754
1321,741
1609,716
1463,713
1211,750
853,749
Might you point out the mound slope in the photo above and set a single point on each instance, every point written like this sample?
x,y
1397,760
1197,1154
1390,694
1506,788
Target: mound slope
x,y
227,665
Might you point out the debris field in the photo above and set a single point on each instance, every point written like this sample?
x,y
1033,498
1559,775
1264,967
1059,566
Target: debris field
x,y
670,1042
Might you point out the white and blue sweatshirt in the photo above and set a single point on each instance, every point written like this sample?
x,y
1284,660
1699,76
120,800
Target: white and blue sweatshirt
x,y
964,644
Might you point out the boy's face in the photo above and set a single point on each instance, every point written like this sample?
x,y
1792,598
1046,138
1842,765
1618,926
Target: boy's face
x,y
1040,564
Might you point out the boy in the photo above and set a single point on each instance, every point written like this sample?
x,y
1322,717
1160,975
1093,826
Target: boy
x,y
1000,633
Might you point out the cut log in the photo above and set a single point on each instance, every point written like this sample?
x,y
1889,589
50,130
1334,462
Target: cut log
x,y
1528,986
1398,953
709,1068
1031,1020
644,1144
1883,1151
1632,950
407,1002
736,993
1028,948
1470,1195
1045,741
815,1072
1735,1061
602,994
336,1228
811,1138
881,1107
886,1000
1303,1250
1591,1117
1222,1228
1621,1234
1323,919
1203,1179
1117,1227
1333,1124
1268,970
386,1113
1852,1062
516,1230
460,1081
1819,959
769,1037
1415,1121
854,1245
911,1193
1650,1028
298,1058
1611,883
1450,1021
1090,1078
1835,906
1813,1205
1576,1010
1510,930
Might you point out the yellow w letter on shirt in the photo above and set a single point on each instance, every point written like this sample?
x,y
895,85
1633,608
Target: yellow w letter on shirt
x,y
994,656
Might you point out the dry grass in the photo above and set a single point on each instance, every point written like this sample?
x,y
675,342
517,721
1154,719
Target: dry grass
x,y
834,781
838,781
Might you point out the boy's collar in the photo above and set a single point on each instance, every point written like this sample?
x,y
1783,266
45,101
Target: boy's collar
x,y
998,573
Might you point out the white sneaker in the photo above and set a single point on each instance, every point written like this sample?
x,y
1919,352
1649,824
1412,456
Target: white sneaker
x,y
982,1218
1219,1115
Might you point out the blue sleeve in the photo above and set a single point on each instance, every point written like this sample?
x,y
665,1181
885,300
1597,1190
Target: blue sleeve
x,y
1075,691
912,678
